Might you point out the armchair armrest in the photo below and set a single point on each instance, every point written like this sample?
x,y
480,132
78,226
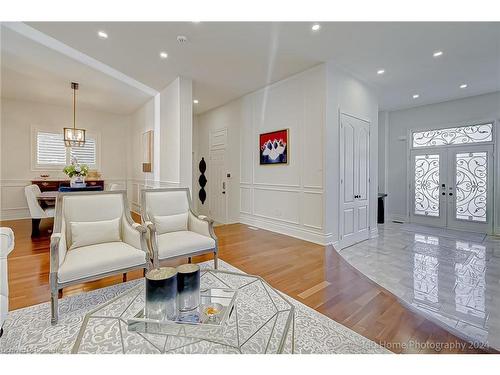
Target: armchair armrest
x,y
151,228
201,225
135,235
55,241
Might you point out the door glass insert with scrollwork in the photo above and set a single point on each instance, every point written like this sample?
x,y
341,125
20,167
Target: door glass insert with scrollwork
x,y
471,186
454,136
427,185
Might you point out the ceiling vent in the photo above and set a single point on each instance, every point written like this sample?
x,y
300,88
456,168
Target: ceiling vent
x,y
182,39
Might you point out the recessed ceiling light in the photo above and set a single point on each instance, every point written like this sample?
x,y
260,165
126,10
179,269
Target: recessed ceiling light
x,y
437,53
380,71
102,34
316,27
195,101
163,55
463,86
416,96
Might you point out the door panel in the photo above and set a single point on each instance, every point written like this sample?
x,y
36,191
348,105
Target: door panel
x,y
363,160
428,183
470,197
354,172
348,140
218,185
452,187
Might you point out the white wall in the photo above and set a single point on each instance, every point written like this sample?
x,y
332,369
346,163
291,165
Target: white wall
x,y
345,94
141,121
18,118
169,114
176,124
285,198
452,113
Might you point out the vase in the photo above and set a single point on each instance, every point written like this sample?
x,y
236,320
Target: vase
x,y
77,181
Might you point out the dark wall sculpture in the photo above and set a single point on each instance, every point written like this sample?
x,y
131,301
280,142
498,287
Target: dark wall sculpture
x,y
202,194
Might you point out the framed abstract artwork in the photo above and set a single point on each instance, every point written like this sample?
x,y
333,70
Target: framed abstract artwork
x,y
274,147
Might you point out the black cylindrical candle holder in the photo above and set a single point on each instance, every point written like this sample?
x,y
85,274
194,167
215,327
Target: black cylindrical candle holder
x,y
161,293
188,287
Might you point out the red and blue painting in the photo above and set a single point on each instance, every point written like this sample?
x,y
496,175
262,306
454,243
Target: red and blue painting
x,y
274,147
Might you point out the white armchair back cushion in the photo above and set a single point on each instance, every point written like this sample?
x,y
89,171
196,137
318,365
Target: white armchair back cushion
x,y
36,211
94,232
166,203
171,223
92,207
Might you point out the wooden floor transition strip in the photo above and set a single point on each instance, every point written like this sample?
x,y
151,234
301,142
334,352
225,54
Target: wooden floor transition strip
x,y
309,292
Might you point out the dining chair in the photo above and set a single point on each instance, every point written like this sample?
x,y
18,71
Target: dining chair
x,y
37,212
113,186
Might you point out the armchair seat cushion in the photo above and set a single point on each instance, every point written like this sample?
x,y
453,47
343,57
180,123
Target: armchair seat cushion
x,y
182,243
97,259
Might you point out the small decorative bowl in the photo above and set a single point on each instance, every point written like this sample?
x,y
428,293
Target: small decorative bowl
x,y
211,311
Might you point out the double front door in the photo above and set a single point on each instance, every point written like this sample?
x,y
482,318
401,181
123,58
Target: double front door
x,y
452,187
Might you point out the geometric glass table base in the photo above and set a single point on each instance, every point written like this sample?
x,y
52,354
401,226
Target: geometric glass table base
x,y
262,321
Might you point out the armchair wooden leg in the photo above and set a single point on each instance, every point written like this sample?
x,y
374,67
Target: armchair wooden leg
x,y
54,305
124,277
216,260
35,227
60,293
189,260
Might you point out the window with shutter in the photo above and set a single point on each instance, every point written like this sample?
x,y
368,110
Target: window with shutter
x,y
50,150
85,154
51,153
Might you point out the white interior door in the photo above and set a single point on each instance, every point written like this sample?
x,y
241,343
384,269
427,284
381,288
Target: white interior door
x,y
218,188
452,187
354,181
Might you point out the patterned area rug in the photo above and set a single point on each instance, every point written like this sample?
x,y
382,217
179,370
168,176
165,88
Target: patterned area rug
x,y
29,330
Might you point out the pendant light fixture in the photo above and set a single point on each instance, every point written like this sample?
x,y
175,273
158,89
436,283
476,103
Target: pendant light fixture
x,y
74,137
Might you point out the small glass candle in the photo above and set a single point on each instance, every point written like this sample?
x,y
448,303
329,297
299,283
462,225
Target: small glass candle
x,y
161,294
188,287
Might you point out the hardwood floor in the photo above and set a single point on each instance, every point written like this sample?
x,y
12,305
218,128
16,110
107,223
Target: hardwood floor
x,y
314,275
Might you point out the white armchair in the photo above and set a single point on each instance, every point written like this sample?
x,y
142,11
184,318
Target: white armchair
x,y
6,246
37,212
94,237
175,231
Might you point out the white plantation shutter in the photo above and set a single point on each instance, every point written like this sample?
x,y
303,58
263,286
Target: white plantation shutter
x,y
50,149
85,154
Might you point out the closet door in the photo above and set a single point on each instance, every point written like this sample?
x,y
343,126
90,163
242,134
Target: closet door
x,y
355,183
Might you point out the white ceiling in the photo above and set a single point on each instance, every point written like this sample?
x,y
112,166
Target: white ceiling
x,y
33,72
227,60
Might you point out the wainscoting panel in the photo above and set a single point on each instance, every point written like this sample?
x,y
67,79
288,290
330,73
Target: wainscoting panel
x,y
246,197
277,204
312,209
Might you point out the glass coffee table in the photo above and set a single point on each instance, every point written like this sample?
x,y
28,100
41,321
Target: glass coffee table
x,y
262,320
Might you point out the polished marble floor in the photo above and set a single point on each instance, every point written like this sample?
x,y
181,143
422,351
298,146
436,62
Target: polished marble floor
x,y
451,278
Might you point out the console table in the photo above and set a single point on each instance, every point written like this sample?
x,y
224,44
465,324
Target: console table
x,y
54,185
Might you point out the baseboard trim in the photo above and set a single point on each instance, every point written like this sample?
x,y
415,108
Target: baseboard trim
x,y
303,234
